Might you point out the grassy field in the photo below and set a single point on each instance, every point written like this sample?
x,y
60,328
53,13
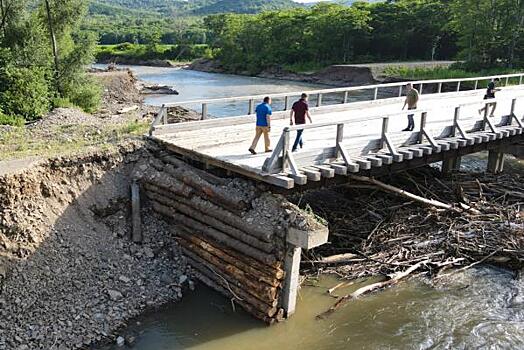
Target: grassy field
x,y
441,73
129,51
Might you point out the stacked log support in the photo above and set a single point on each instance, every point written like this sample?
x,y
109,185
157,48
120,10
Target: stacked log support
x,y
233,235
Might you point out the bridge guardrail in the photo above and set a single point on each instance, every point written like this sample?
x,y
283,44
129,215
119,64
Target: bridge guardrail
x,y
281,159
251,100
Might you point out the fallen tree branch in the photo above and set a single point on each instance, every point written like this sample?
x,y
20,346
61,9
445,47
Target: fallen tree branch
x,y
394,279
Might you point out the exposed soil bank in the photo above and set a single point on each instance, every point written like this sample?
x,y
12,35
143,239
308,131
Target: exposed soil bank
x,y
69,276
335,75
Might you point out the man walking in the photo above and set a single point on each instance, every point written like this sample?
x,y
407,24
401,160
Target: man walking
x,y
411,101
300,111
263,112
490,94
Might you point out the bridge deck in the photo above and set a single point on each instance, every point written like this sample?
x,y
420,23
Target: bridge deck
x,y
224,142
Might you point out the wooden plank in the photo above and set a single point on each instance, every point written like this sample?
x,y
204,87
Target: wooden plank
x,y
375,161
445,146
339,169
417,152
325,171
311,174
280,181
352,167
408,155
362,163
386,159
299,179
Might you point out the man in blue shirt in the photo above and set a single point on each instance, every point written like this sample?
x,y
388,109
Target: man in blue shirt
x,y
264,112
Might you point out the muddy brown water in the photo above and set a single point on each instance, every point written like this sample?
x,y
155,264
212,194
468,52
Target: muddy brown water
x,y
482,308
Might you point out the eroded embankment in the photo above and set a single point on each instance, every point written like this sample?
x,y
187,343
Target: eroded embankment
x,y
68,274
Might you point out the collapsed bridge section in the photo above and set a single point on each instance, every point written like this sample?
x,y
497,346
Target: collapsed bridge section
x,y
240,239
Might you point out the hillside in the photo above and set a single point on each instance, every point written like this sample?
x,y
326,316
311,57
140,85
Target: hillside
x,y
189,8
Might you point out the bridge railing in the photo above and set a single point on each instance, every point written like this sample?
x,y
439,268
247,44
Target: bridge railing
x,y
373,93
282,160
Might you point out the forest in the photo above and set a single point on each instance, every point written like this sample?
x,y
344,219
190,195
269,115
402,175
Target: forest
x,y
482,33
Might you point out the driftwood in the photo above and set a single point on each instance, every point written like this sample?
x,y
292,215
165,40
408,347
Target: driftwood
x,y
264,273
338,259
394,279
194,225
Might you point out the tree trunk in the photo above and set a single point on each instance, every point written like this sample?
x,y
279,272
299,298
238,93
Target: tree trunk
x,y
53,42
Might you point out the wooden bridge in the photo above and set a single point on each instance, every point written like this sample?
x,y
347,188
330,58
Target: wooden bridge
x,y
350,137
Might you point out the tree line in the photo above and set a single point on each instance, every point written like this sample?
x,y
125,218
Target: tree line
x,y
483,33
43,55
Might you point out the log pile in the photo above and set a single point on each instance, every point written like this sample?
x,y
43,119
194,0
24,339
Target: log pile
x,y
375,231
232,234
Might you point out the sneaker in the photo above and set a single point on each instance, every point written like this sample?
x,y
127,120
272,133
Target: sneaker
x,y
252,151
407,129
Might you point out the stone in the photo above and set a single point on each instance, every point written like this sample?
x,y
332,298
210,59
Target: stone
x,y
115,295
182,279
120,341
124,279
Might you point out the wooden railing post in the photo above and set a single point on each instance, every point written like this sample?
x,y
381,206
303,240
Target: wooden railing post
x,y
164,114
286,103
423,119
340,137
346,96
421,88
251,107
285,149
520,80
400,91
385,127
319,100
455,121
440,87
458,86
204,111
507,81
375,94
476,84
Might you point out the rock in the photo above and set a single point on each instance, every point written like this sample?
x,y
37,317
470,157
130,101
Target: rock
x,y
115,295
148,252
124,279
120,341
182,279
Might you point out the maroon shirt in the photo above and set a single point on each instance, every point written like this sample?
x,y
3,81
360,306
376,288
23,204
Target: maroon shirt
x,y
300,107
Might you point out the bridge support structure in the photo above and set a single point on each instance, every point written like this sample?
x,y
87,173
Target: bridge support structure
x,y
496,161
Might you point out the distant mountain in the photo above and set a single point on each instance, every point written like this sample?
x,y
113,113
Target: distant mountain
x,y
188,7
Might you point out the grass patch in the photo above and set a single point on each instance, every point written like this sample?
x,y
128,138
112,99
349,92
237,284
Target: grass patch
x,y
438,73
128,51
305,67
21,142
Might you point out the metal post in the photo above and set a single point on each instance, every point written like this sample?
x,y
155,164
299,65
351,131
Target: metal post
x,y
204,111
423,118
455,121
319,100
285,149
286,103
375,95
458,86
340,137
346,96
385,126
439,88
251,107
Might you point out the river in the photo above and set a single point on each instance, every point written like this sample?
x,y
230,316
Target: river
x,y
481,308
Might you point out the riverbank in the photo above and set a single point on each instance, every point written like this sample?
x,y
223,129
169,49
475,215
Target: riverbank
x,y
334,75
69,275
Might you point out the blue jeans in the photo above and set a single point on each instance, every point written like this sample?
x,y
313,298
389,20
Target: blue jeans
x,y
298,140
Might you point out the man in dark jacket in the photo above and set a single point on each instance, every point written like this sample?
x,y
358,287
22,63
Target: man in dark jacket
x,y
298,115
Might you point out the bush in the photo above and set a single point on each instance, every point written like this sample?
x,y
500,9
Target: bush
x,y
24,91
61,102
11,120
86,94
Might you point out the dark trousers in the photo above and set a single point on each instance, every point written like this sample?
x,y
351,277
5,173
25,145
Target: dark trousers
x,y
298,140
411,119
